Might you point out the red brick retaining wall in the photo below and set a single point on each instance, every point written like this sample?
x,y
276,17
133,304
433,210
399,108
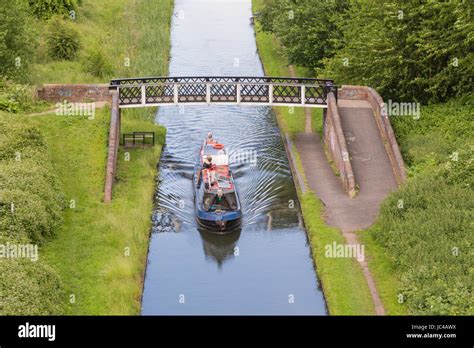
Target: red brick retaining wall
x,y
335,142
76,93
114,142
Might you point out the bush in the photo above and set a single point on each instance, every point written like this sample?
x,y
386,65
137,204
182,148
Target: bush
x,y
62,40
27,180
17,41
18,137
97,64
30,288
407,51
307,29
429,242
16,97
44,9
37,200
26,287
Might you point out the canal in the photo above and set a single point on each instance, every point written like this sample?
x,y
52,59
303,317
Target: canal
x,y
266,267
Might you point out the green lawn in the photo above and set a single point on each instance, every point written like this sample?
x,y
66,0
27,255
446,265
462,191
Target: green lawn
x,y
90,249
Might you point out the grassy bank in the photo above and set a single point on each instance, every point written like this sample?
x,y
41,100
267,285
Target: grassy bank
x,y
130,36
95,254
343,282
100,250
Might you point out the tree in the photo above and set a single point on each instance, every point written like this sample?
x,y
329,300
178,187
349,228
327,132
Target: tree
x,y
410,51
16,40
307,29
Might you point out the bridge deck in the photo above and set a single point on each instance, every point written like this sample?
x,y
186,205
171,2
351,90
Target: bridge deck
x,y
277,91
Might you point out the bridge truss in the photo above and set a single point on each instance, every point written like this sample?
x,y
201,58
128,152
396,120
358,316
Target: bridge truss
x,y
273,91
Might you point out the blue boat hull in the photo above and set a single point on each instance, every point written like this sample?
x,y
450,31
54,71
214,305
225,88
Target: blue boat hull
x,y
219,221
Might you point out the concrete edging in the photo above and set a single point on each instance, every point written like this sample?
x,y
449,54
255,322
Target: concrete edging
x,y
298,178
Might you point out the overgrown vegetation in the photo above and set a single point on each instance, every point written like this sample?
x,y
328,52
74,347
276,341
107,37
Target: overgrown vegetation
x,y
16,97
17,40
62,40
426,226
31,204
44,9
100,249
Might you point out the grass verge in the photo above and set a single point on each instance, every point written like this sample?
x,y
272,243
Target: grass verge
x,y
100,250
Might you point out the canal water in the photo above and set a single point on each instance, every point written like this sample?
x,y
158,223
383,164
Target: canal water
x,y
266,267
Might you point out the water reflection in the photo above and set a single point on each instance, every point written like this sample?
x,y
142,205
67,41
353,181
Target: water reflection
x,y
220,247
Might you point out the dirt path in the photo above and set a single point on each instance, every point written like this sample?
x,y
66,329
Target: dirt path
x,y
372,171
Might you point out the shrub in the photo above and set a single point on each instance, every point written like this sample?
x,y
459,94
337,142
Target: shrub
x,y
18,137
16,97
62,40
408,51
26,287
17,41
27,180
44,9
38,202
307,29
30,288
97,64
429,241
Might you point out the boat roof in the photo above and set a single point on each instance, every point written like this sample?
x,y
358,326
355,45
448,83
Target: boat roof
x,y
211,150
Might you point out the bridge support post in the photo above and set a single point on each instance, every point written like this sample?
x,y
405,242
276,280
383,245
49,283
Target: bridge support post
x,y
238,89
208,93
325,113
114,142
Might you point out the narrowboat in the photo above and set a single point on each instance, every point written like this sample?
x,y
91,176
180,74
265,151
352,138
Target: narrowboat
x,y
216,198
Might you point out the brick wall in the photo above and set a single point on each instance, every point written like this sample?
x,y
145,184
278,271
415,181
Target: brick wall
x,y
75,93
114,142
335,142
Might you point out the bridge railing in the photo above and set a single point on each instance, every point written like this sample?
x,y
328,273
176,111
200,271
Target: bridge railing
x,y
155,91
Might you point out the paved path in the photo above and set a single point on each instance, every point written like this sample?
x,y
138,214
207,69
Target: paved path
x,y
372,172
